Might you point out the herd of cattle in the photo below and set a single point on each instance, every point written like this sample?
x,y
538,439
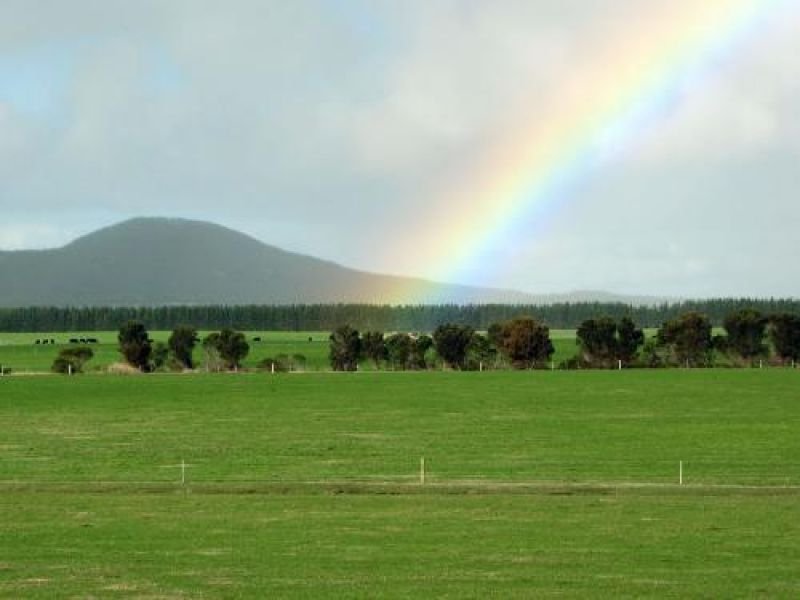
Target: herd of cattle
x,y
85,340
71,341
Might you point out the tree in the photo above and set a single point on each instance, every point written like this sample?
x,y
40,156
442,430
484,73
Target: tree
x,y
181,343
419,348
71,360
629,339
784,332
451,342
399,348
526,342
745,331
135,345
230,345
688,338
481,352
345,349
495,334
597,339
374,347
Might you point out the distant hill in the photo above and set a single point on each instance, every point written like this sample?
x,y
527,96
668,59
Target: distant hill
x,y
152,261
157,262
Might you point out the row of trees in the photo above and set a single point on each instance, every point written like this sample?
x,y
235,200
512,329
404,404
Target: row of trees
x,y
748,337
521,343
366,317
524,343
225,349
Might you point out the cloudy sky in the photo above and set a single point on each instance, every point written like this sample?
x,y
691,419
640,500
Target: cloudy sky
x,y
411,137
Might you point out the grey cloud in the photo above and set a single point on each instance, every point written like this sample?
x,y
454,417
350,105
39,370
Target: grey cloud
x,y
303,122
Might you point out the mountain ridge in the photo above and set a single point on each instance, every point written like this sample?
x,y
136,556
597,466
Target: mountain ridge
x,y
154,261
150,261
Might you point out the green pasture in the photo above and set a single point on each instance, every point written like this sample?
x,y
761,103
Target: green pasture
x,y
308,485
20,353
398,546
728,426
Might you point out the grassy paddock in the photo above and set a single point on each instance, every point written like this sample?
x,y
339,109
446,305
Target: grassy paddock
x,y
466,546
307,485
728,426
19,352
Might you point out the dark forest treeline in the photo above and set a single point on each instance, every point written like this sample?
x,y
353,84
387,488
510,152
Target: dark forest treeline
x,y
325,317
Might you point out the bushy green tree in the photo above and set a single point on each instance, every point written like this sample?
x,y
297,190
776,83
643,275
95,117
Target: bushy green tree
x,y
181,343
345,349
746,330
526,342
688,339
230,345
784,332
399,347
419,351
630,339
452,342
603,341
597,339
72,360
373,347
135,345
481,353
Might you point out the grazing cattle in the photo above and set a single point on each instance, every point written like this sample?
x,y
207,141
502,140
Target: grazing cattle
x,y
83,340
38,342
256,339
73,340
310,339
52,341
91,340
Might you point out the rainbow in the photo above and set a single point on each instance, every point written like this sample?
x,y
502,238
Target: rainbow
x,y
613,103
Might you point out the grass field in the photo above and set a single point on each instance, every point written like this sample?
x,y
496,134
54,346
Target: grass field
x,y
537,484
19,352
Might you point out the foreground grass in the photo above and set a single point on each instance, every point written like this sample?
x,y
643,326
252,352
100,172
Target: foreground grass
x,y
728,426
539,484
174,546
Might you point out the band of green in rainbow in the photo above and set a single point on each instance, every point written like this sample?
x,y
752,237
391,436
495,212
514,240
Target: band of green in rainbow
x,y
623,94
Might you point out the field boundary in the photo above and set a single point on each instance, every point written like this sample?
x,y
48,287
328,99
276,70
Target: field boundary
x,y
353,487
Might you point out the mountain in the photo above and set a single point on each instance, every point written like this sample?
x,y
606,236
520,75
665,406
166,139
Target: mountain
x,y
156,262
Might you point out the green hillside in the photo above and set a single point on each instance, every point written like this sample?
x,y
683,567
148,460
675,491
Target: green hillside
x,y
152,262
